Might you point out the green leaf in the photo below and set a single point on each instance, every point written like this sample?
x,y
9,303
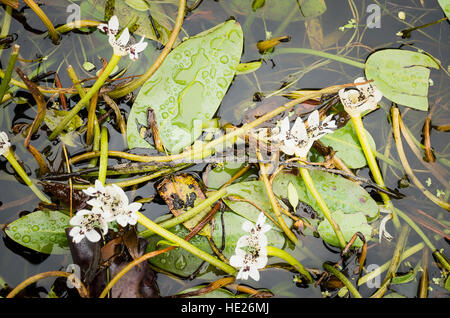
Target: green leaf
x,y
445,5
337,192
245,68
255,192
349,224
346,144
277,10
402,76
88,66
447,283
292,195
52,119
42,231
218,176
181,262
256,4
188,87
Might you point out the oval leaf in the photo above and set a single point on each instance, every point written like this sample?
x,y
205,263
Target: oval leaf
x,y
292,195
337,192
42,231
402,76
349,224
346,144
188,87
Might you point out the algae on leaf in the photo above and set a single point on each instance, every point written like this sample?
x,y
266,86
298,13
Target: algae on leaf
x,y
188,88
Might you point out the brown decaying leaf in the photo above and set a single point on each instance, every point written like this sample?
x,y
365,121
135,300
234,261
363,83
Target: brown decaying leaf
x,y
181,192
62,192
138,282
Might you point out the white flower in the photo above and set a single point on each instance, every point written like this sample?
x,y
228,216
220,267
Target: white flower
x,y
361,98
249,263
298,140
121,45
257,238
4,143
85,223
114,201
255,256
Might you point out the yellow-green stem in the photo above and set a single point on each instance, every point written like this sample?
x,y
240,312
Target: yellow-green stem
x,y
18,168
85,99
343,279
189,213
103,166
373,166
51,29
274,203
9,69
273,251
323,206
152,226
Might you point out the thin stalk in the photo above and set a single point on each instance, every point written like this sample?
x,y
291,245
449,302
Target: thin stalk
x,y
273,251
85,99
379,270
76,25
9,69
103,166
423,283
401,153
152,226
229,137
96,145
9,155
139,180
395,262
274,202
76,81
320,54
51,29
323,206
189,213
6,25
368,152
331,269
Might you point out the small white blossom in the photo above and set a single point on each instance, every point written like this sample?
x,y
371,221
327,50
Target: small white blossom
x,y
114,201
4,143
249,263
298,140
254,257
361,98
121,45
85,223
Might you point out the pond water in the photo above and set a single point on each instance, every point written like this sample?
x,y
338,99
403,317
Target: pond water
x,y
297,71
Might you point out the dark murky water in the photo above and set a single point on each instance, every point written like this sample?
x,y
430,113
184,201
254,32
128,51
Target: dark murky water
x,y
17,263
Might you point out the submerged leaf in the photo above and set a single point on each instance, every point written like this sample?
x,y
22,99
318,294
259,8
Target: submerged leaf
x,y
402,76
349,224
41,231
337,192
188,87
346,144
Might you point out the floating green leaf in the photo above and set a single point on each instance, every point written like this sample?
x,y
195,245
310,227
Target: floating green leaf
x,y
255,192
277,10
349,224
188,87
181,262
292,195
337,192
346,144
445,5
42,231
402,76
52,119
218,176
245,68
